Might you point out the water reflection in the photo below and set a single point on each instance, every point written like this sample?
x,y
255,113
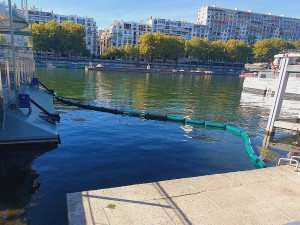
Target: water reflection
x,y
104,150
271,149
18,180
290,145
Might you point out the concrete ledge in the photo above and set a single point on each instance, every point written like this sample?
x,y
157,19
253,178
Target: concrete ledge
x,y
263,196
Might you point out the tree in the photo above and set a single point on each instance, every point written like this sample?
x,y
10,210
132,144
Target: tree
x,y
65,38
297,44
265,50
237,51
198,48
135,52
173,47
131,51
217,51
147,45
40,37
120,52
72,38
128,49
113,52
2,40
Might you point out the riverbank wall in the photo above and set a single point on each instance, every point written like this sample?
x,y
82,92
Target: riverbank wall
x,y
80,63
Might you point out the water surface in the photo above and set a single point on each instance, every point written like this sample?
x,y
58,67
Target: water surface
x,y
101,150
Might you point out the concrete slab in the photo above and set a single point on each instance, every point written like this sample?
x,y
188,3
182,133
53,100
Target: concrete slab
x,y
263,196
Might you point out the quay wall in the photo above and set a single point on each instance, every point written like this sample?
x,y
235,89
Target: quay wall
x,y
80,63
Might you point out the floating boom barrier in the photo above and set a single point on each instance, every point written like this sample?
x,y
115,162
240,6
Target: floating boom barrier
x,y
254,159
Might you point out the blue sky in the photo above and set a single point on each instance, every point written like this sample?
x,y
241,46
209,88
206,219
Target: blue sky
x,y
104,12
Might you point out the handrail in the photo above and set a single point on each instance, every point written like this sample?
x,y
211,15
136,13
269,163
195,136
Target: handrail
x,y
290,162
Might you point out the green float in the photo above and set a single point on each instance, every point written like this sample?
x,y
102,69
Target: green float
x,y
254,159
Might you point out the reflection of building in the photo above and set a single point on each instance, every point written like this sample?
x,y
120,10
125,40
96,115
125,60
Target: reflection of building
x,y
226,24
91,30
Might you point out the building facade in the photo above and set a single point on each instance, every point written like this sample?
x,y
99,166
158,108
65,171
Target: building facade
x,y
121,32
178,28
225,24
91,30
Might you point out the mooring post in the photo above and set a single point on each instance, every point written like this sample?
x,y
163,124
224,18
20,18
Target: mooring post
x,y
279,95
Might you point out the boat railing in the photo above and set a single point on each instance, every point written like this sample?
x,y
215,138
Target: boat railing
x,y
285,51
24,68
16,54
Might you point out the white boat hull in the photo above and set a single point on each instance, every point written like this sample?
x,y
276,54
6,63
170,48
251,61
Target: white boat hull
x,y
20,127
262,85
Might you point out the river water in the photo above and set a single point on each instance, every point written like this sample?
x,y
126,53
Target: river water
x,y
101,150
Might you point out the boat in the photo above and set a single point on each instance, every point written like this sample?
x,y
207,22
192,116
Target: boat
x,y
26,111
266,81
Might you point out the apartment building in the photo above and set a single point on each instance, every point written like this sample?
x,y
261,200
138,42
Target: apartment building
x,y
103,41
121,32
225,24
183,29
91,30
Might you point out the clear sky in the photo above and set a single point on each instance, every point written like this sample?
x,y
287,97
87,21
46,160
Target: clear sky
x,y
106,11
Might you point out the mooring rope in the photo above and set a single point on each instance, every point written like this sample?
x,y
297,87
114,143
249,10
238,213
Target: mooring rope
x,y
254,159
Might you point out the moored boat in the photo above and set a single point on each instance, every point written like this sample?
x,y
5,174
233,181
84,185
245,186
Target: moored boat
x,y
26,111
267,80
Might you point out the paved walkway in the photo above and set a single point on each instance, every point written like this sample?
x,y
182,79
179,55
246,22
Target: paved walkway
x,y
262,196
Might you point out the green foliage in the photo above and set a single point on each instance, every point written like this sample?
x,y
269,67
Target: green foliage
x,y
217,51
237,51
2,40
174,47
167,47
131,51
113,51
198,48
297,44
161,46
65,38
147,45
266,49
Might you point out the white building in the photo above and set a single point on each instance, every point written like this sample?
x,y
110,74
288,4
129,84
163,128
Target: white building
x,y
103,41
121,32
226,24
91,30
177,28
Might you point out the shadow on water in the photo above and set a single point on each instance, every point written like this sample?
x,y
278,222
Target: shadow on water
x,y
18,180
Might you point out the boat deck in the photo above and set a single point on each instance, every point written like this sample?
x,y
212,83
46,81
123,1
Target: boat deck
x,y
21,126
262,196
